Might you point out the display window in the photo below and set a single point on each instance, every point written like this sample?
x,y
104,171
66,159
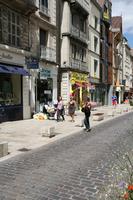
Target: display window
x,y
44,90
10,89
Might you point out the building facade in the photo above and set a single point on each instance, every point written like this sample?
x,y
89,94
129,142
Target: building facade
x,y
43,40
118,83
106,52
74,67
127,69
14,47
94,51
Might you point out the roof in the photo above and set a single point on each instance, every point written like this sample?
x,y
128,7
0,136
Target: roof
x,y
117,22
101,2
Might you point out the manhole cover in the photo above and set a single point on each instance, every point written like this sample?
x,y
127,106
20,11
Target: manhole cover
x,y
24,149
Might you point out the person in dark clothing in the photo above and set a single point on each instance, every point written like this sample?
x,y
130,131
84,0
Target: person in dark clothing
x,y
87,111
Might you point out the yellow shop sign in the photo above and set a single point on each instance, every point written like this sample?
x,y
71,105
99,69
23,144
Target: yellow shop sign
x,y
78,77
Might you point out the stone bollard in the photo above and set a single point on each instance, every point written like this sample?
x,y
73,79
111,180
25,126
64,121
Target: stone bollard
x,y
48,131
98,116
3,149
111,113
118,111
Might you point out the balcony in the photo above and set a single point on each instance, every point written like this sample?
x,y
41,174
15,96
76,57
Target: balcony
x,y
26,6
48,54
82,4
44,10
78,34
78,64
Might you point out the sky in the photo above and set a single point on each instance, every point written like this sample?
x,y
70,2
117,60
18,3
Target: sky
x,y
125,8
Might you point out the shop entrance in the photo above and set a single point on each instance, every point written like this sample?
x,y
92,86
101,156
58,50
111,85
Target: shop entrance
x,y
10,97
44,90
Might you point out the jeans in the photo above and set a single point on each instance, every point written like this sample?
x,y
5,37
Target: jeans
x,y
87,122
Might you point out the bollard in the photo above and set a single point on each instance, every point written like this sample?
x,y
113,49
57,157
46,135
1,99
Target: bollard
x,y
3,149
48,131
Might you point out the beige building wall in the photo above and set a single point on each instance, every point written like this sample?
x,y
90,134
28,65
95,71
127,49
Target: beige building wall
x,y
94,32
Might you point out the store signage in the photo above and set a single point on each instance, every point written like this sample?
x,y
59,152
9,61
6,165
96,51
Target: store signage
x,y
44,73
12,58
32,63
6,56
78,77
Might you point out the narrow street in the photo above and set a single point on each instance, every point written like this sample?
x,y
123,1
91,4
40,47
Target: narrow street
x,y
73,168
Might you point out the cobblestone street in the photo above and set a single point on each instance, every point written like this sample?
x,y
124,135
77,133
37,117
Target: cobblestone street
x,y
73,168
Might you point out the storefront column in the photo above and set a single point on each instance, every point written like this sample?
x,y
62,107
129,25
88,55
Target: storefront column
x,y
81,97
26,106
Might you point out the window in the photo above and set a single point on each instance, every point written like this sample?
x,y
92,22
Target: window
x,y
10,89
43,38
83,55
95,67
13,28
44,3
82,25
74,49
96,22
95,43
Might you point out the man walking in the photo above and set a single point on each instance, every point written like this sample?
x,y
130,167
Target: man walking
x,y
87,111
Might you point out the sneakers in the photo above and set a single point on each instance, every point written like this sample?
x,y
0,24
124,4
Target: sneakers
x,y
88,130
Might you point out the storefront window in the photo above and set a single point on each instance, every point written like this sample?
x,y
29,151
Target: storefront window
x,y
44,90
10,89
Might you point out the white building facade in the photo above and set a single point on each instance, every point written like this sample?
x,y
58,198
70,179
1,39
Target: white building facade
x,y
43,42
74,66
94,50
14,48
127,68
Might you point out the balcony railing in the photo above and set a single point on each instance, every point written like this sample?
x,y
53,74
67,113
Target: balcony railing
x,y
44,10
78,64
48,54
78,33
25,5
83,3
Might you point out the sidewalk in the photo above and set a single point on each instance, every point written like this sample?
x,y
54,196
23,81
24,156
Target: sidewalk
x,y
27,133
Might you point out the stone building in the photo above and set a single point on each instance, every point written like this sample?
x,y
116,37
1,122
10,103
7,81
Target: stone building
x,y
14,47
94,51
74,69
28,68
43,35
127,69
118,83
106,51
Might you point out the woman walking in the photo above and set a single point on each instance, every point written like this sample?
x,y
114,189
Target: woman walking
x,y
71,108
87,111
60,109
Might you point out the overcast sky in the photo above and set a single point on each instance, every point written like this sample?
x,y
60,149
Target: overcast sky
x,y
125,8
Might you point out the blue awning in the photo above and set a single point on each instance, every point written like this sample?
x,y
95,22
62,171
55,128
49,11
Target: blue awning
x,y
13,70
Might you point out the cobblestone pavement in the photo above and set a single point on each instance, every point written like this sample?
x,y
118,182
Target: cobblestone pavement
x,y
73,168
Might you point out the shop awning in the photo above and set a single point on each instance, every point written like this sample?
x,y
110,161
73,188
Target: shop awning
x,y
13,70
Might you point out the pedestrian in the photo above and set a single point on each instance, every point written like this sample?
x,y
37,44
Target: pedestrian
x,y
114,100
72,108
60,109
87,111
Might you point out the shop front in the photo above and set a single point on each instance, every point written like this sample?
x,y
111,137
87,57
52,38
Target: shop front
x,y
95,90
46,91
75,84
13,95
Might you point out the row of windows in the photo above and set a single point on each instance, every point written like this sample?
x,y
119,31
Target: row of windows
x,y
13,23
78,53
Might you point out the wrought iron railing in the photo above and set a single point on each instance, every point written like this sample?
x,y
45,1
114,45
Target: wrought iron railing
x,y
78,64
48,53
78,33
